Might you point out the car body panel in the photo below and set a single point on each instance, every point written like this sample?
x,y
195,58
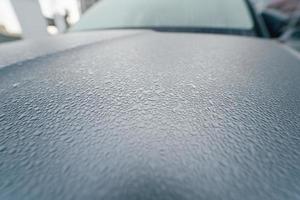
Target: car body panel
x,y
151,115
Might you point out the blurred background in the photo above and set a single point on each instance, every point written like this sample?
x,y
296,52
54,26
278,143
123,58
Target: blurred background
x,y
25,19
31,19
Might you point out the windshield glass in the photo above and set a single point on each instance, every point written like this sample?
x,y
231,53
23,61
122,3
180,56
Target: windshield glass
x,y
226,14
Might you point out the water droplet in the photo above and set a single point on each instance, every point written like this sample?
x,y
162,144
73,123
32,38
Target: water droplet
x,y
276,128
178,108
38,162
2,148
2,117
68,139
12,151
154,98
79,128
37,133
16,85
66,168
22,116
7,127
7,183
108,82
192,85
160,90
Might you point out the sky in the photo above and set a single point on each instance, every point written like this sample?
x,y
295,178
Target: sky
x,y
48,7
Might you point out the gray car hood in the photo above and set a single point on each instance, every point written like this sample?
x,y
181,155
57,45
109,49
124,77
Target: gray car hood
x,y
148,115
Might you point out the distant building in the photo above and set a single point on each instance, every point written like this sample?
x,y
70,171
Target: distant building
x,y
86,4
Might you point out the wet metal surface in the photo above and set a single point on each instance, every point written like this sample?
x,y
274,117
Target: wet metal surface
x,y
153,116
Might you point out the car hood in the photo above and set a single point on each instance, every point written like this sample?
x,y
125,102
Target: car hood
x,y
149,115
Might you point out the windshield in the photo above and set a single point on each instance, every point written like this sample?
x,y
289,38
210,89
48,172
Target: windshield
x,y
212,14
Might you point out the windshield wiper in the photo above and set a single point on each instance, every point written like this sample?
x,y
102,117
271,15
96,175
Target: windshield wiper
x,y
228,31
